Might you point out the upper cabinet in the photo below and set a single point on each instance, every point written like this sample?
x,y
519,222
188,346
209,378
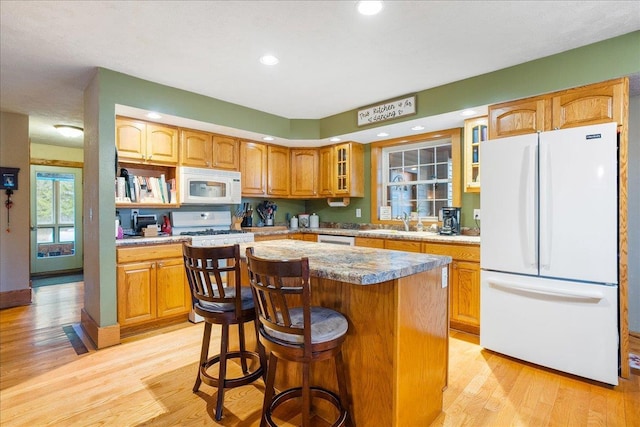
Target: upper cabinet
x,y
475,133
304,172
253,167
589,105
206,150
278,171
586,105
142,142
519,117
342,170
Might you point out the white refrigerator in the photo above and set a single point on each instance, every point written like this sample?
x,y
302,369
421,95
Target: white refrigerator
x,y
549,252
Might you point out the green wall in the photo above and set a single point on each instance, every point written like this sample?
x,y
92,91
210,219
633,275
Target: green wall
x,y
612,58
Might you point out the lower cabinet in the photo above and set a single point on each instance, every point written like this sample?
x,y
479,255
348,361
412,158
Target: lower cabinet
x,y
464,301
464,276
151,284
464,284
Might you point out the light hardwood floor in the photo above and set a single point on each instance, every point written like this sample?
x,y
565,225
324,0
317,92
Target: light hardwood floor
x,y
147,380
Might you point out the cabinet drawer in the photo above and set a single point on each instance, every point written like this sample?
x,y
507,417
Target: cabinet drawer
x,y
370,242
459,252
145,253
403,245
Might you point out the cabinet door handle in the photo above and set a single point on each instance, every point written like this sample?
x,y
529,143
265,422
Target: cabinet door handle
x,y
153,266
454,265
160,265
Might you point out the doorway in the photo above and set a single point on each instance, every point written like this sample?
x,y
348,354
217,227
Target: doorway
x,y
56,219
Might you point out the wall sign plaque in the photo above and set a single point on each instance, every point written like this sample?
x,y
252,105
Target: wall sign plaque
x,y
387,111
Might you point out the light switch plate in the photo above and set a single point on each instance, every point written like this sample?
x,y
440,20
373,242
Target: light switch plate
x,y
476,214
358,213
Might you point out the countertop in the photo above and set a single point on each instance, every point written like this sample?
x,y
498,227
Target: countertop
x,y
350,264
423,236
267,231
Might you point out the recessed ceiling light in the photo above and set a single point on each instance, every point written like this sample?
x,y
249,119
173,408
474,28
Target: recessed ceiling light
x,y
154,115
69,131
269,60
335,139
383,134
369,7
267,138
468,113
417,127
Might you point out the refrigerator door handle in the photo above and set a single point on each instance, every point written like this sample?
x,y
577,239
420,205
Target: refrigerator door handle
x,y
527,208
546,197
582,295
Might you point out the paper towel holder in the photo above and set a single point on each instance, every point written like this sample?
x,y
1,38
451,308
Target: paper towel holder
x,y
336,202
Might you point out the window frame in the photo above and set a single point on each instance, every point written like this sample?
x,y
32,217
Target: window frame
x,y
377,171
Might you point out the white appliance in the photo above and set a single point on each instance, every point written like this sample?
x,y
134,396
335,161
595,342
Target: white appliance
x,y
549,254
209,228
202,186
337,240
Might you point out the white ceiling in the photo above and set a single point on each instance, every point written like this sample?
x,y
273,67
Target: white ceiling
x,y
331,58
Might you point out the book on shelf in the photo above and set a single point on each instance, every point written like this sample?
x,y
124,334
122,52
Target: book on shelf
x,y
145,189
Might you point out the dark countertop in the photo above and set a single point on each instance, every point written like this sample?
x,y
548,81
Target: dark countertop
x,y
350,264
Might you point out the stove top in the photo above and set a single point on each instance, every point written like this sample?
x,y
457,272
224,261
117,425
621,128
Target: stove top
x,y
209,232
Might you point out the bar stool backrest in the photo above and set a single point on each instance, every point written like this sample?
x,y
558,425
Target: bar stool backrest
x,y
205,267
278,287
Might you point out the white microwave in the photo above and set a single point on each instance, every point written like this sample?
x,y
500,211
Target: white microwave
x,y
199,186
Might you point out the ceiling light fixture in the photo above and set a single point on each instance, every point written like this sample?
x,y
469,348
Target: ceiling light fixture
x,y
269,60
467,113
267,138
369,8
154,115
335,139
69,131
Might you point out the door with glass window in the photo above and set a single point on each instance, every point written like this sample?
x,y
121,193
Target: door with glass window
x,y
56,219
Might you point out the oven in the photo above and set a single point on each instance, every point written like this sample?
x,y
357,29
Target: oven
x,y
210,228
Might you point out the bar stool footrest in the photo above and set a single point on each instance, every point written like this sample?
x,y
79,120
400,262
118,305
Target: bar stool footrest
x,y
248,378
316,392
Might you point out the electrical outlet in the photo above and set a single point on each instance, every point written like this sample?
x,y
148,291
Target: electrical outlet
x,y
358,213
476,214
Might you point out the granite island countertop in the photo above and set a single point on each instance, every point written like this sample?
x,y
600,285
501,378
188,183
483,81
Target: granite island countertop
x,y
349,264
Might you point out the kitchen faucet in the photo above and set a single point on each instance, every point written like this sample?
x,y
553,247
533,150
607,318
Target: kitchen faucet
x,y
405,221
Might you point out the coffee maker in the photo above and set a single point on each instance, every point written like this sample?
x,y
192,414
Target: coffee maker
x,y
450,221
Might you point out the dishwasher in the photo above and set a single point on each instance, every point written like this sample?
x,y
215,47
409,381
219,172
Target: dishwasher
x,y
337,240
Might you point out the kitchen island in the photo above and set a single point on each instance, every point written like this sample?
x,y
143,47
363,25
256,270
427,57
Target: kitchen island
x,y
396,349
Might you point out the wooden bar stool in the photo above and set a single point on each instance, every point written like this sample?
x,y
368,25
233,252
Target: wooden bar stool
x,y
296,331
222,304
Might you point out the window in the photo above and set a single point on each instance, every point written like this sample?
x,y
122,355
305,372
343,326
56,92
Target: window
x,y
55,214
417,177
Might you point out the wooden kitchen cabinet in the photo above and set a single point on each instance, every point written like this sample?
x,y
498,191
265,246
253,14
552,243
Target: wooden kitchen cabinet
x,y
151,284
475,133
265,169
278,167
586,105
253,167
304,172
325,171
464,284
464,301
519,117
403,245
207,150
369,242
341,170
589,105
144,142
